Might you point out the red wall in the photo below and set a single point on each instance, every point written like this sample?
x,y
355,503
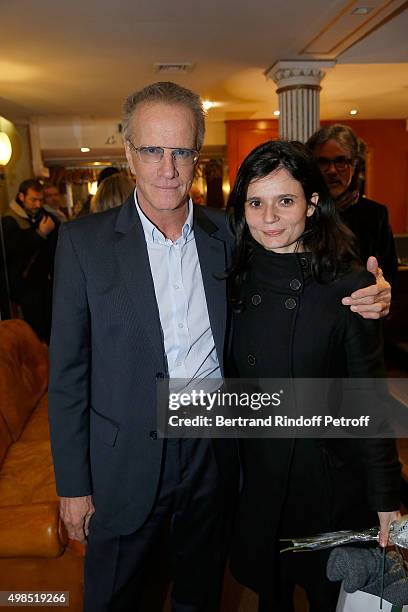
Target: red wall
x,y
245,135
387,158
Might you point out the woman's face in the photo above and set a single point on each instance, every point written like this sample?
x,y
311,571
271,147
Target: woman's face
x,y
276,211
336,165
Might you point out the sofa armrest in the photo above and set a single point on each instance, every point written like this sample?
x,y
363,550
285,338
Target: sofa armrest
x,y
32,530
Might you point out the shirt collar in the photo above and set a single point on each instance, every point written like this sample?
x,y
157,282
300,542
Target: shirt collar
x,y
153,235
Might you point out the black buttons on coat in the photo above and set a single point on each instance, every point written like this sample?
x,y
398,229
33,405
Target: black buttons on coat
x,y
153,434
290,303
256,299
160,375
251,360
304,262
295,284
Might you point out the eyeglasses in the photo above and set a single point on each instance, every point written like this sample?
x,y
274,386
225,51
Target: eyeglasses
x,y
154,155
340,163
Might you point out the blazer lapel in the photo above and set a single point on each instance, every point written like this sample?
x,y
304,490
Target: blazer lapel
x,y
212,254
133,258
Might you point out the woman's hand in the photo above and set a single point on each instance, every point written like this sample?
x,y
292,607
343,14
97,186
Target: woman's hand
x,y
386,519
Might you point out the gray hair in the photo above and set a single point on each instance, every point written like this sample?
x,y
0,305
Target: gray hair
x,y
344,135
167,93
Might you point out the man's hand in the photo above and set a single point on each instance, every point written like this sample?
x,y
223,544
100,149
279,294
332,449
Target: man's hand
x,y
386,519
372,302
46,225
76,513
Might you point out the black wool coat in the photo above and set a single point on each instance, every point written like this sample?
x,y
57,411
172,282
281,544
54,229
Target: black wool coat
x,y
368,220
292,326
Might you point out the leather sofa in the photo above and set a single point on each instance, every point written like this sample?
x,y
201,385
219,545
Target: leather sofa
x,y
34,552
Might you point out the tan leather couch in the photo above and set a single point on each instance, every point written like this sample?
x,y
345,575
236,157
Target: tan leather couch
x,y
33,548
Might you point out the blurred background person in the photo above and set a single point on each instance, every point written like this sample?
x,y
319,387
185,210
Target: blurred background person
x,y
84,208
30,236
112,191
196,195
340,156
106,172
76,209
53,202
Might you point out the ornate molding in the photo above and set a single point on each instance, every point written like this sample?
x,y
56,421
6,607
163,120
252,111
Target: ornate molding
x,y
288,73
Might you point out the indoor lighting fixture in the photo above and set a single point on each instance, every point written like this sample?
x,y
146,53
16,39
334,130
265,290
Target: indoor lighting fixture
x,y
92,187
85,149
207,104
276,113
5,149
353,111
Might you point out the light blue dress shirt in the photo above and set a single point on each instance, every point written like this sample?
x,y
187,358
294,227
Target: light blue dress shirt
x,y
180,296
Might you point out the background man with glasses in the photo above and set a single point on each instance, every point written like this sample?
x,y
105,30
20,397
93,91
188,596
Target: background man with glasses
x,y
340,155
139,296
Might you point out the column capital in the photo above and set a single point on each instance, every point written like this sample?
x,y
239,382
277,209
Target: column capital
x,y
289,74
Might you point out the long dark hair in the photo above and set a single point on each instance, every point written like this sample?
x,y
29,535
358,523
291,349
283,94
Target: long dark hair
x,y
325,236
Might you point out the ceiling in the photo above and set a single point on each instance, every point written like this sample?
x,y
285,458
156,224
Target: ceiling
x,y
80,59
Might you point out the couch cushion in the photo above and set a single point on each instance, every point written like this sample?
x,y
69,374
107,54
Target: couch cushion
x,y
37,425
27,474
23,373
5,439
31,531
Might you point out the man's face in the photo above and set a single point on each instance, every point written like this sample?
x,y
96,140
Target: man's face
x,y
162,186
52,197
32,201
337,180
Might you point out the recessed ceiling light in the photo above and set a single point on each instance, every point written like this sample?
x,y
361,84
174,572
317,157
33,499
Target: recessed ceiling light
x,y
353,111
276,113
362,10
85,149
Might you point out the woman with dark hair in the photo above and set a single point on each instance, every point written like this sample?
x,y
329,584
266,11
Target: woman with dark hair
x,y
340,155
294,259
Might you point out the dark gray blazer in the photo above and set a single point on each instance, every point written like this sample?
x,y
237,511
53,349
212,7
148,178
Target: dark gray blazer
x,y
106,354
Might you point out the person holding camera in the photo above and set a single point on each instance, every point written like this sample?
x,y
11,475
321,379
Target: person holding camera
x,y
30,236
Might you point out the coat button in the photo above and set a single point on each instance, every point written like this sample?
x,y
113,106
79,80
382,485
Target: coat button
x,y
304,262
256,299
290,303
295,284
160,375
153,434
251,360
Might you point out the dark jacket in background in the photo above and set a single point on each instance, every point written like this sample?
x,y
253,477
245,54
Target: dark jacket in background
x,y
30,264
368,220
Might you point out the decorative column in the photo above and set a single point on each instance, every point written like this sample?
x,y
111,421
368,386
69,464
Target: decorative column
x,y
299,96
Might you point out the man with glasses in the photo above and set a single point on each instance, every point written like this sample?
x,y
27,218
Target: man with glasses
x,y
140,297
340,155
